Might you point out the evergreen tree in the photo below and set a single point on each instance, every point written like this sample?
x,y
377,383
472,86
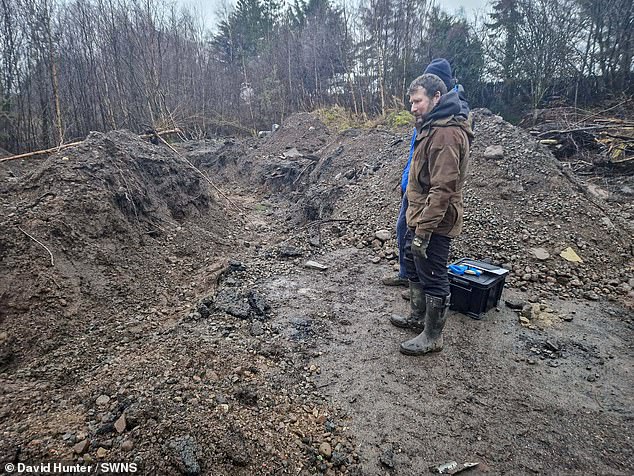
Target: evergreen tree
x,y
247,30
453,38
506,21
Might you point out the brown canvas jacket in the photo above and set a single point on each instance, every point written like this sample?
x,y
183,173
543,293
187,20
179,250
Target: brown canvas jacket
x,y
437,176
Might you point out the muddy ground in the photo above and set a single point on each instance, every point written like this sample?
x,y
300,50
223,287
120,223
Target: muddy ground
x,y
177,326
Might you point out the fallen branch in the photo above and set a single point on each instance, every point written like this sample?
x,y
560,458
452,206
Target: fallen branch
x,y
621,161
40,152
582,129
160,133
39,243
65,146
332,220
586,119
302,172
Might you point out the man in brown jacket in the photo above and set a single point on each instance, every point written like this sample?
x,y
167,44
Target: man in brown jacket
x,y
434,215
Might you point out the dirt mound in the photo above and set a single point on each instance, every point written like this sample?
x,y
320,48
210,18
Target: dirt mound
x,y
303,131
89,225
522,209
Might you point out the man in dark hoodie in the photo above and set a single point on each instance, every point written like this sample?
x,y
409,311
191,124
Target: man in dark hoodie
x,y
434,213
441,68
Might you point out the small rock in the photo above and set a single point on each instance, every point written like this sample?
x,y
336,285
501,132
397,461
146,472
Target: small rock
x,y
292,153
338,459
81,447
527,311
625,190
325,450
315,265
127,445
235,266
102,400
383,235
329,426
203,310
513,304
376,260
185,450
290,252
494,152
387,458
540,253
257,328
120,424
101,452
211,376
257,302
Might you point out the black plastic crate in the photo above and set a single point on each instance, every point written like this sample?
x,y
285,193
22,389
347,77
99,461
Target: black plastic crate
x,y
475,295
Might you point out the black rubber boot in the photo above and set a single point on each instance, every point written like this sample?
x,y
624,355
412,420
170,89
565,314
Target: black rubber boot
x,y
430,340
416,318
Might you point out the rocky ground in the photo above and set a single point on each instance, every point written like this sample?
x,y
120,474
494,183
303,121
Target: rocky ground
x,y
154,315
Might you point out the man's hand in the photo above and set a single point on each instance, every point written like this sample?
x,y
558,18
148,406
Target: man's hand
x,y
419,246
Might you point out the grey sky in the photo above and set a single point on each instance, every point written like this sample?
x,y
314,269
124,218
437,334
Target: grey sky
x,y
209,8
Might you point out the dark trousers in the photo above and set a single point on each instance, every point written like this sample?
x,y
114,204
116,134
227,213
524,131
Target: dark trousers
x,y
401,231
432,272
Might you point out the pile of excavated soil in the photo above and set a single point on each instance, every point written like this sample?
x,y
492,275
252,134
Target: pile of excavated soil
x,y
526,208
110,212
522,210
117,348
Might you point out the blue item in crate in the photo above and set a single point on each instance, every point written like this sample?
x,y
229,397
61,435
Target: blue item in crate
x,y
460,269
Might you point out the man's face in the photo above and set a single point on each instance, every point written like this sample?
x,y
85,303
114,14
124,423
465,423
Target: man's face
x,y
422,104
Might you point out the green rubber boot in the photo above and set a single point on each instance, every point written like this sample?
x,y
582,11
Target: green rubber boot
x,y
416,318
430,340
